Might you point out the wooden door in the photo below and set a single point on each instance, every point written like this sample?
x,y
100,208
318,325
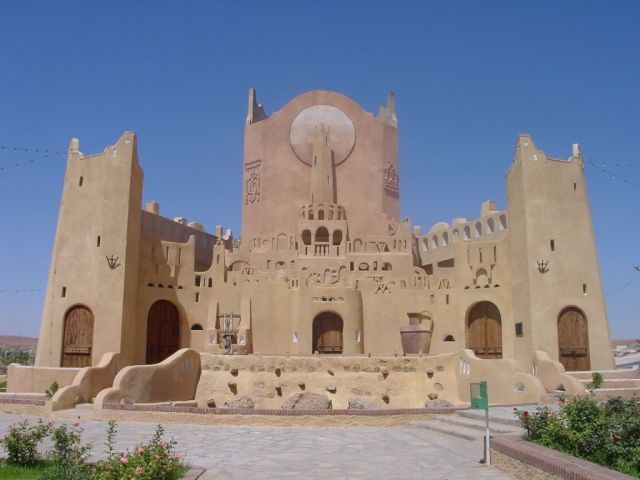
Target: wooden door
x,y
484,331
78,337
327,333
163,331
573,340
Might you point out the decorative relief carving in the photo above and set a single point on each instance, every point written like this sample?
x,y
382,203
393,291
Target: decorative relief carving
x,y
252,182
391,178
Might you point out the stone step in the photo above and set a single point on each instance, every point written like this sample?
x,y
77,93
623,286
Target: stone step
x,y
606,393
475,424
616,383
448,429
632,372
502,416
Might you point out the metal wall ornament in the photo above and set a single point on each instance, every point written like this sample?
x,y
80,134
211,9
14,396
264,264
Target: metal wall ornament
x,y
543,266
112,261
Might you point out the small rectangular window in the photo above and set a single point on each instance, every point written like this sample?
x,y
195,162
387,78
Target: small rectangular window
x,y
210,282
519,330
447,299
98,241
575,186
80,181
64,292
197,297
268,264
552,245
198,280
584,288
351,266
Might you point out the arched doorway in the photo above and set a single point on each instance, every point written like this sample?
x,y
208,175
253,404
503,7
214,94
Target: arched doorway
x,y
163,331
484,330
573,340
327,333
77,337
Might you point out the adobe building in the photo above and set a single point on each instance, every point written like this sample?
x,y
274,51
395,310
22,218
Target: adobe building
x,y
325,265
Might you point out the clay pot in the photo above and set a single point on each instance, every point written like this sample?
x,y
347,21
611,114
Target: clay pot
x,y
415,339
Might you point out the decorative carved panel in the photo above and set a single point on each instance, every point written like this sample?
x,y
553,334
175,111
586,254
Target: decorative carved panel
x,y
391,178
252,182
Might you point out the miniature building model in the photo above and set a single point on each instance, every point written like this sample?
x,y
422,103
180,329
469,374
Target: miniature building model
x,y
325,264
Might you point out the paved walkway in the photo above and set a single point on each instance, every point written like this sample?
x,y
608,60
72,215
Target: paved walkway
x,y
257,453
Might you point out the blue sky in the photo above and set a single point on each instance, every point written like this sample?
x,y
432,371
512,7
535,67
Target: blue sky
x,y
469,77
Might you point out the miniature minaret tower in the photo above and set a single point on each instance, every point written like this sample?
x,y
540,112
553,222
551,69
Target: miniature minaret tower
x,y
322,178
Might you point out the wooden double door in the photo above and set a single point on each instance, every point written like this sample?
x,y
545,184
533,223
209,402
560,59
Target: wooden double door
x,y
327,333
77,337
573,340
163,331
484,330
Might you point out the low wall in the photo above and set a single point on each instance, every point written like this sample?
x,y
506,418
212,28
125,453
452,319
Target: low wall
x,y
381,382
552,375
506,385
173,379
87,383
29,379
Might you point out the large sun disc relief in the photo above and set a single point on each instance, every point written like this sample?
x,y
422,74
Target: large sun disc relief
x,y
342,133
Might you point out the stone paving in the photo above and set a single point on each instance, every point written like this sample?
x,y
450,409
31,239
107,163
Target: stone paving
x,y
237,453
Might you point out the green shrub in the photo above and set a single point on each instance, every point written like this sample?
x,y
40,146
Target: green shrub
x,y
596,381
51,391
69,457
21,442
607,433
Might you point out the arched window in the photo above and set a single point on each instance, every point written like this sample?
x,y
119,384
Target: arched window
x,y
490,226
478,230
320,214
337,237
449,338
503,222
434,241
306,237
322,235
386,267
196,326
445,239
466,233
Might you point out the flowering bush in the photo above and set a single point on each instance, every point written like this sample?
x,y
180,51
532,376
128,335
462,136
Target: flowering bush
x,y
607,433
154,460
21,442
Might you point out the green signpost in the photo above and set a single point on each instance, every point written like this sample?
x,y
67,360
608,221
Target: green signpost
x,y
480,400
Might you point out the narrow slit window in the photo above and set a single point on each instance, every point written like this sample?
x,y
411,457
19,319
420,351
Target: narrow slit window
x,y
552,245
197,297
210,282
198,280
447,299
64,292
584,288
575,186
98,241
80,181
